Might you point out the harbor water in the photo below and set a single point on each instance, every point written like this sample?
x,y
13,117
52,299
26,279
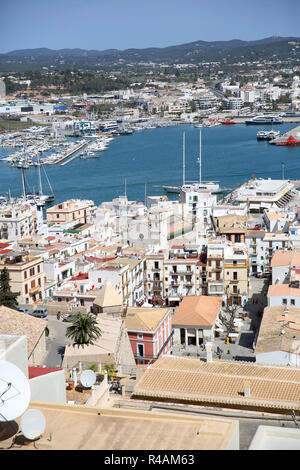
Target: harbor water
x,y
153,157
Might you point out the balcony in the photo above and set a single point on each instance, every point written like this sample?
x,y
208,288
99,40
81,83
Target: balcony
x,y
34,290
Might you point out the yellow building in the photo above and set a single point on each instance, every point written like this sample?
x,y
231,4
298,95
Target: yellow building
x,y
235,273
26,275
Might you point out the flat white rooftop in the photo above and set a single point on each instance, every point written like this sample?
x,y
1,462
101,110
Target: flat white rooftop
x,y
267,186
275,438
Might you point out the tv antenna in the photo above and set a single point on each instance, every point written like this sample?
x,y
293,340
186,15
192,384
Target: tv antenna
x,y
33,424
88,378
14,392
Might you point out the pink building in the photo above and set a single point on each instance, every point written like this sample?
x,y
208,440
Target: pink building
x,y
150,332
72,211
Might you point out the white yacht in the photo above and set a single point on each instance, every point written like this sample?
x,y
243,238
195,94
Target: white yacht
x,y
267,135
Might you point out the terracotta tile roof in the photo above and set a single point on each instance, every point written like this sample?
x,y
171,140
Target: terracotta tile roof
x,y
3,245
282,289
13,322
38,371
220,382
197,310
286,258
270,338
144,319
275,215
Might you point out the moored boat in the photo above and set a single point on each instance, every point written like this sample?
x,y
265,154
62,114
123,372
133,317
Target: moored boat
x,y
267,135
262,119
291,141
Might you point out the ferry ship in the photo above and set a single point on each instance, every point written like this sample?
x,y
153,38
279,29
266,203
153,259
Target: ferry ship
x,y
261,119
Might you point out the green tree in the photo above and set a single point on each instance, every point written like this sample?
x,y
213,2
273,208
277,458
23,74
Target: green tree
x,y
84,330
7,298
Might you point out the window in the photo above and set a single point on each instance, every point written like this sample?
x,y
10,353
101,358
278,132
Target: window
x,y
156,265
284,301
26,289
140,336
235,276
25,274
292,301
39,268
31,271
140,350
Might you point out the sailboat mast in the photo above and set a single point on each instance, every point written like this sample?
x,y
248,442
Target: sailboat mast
x,y
39,177
183,159
48,180
23,183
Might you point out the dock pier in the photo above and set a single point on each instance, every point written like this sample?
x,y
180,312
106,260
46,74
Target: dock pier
x,y
68,154
295,132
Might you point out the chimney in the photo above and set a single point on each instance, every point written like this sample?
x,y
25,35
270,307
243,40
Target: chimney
x,y
208,348
247,389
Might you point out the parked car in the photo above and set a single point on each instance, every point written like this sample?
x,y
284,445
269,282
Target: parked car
x,y
259,275
24,310
70,317
40,312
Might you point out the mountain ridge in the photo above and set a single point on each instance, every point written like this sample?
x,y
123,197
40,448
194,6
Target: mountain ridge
x,y
194,52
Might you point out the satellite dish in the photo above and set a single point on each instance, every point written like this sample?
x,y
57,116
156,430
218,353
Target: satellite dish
x,y
33,424
14,391
88,378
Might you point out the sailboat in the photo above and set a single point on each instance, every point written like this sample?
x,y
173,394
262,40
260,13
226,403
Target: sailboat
x,y
212,186
40,198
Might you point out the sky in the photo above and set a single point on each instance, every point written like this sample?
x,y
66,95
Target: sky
x,y
124,24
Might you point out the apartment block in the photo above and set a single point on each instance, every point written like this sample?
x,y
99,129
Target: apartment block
x,y
18,220
72,211
235,271
26,275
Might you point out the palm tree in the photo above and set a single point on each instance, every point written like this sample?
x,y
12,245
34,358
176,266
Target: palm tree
x,y
84,330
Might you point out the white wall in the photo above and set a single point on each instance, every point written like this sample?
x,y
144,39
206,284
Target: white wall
x,y
279,274
278,357
49,387
13,349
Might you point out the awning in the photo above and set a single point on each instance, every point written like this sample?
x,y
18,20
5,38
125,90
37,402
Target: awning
x,y
254,206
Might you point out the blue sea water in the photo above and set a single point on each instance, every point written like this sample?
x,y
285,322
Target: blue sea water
x,y
230,155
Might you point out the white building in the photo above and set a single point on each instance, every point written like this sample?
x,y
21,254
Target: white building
x,y
261,194
19,219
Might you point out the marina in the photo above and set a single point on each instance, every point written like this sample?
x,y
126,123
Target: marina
x,y
230,154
